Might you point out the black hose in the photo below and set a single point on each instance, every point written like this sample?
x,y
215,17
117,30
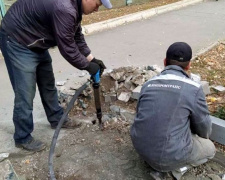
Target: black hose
x,y
62,120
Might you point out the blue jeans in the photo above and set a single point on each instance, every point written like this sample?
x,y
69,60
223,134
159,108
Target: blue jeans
x,y
26,69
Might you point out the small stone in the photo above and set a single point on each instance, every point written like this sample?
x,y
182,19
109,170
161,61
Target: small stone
x,y
107,98
113,97
158,69
124,96
116,86
150,68
103,89
113,120
84,113
83,73
219,88
3,156
115,109
127,115
117,75
149,74
205,87
105,118
121,85
129,85
60,83
138,80
136,92
196,77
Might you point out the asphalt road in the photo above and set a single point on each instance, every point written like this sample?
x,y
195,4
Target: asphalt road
x,y
139,43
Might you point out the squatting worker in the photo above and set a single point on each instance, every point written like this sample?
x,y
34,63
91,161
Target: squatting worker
x,y
28,30
172,124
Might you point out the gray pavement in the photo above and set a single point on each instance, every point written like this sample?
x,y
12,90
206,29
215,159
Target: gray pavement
x,y
139,43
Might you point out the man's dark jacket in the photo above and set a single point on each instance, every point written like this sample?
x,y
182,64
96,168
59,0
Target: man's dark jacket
x,y
41,24
171,107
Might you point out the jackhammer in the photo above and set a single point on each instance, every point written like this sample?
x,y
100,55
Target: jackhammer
x,y
96,85
95,80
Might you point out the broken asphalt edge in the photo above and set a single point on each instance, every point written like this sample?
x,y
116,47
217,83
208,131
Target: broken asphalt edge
x,y
112,23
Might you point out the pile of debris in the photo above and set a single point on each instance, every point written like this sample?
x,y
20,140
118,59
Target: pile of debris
x,y
125,83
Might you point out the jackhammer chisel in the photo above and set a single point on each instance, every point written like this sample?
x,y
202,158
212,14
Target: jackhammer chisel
x,y
96,85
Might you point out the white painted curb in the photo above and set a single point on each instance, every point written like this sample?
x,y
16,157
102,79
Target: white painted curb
x,y
111,23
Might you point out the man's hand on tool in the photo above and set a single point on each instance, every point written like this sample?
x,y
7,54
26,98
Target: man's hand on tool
x,y
92,68
100,63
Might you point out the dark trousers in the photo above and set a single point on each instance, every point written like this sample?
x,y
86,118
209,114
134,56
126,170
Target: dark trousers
x,y
26,69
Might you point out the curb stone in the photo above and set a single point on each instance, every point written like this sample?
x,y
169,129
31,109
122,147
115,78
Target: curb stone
x,y
204,50
218,130
111,23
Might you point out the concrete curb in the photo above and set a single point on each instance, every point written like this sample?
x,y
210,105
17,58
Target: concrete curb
x,y
111,23
218,130
204,50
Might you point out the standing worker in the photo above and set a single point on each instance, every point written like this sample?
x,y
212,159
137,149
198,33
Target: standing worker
x,y
28,30
172,124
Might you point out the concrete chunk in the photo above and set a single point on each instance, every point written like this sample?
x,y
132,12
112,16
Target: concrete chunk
x,y
124,96
219,88
60,83
111,97
136,92
138,80
205,87
3,156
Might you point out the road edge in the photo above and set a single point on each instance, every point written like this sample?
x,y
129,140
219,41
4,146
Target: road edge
x,y
112,23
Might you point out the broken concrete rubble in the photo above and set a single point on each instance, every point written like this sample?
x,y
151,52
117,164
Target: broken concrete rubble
x,y
110,97
126,79
124,96
3,156
219,88
136,92
60,83
205,87
138,80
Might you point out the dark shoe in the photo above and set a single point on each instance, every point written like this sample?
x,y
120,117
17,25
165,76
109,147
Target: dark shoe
x,y
32,145
69,124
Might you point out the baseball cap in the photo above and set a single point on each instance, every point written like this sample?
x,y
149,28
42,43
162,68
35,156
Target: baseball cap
x,y
179,51
107,4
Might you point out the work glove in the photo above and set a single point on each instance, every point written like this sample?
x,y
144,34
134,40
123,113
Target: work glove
x,y
92,68
100,63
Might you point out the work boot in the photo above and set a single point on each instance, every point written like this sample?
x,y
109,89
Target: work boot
x,y
69,124
31,145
